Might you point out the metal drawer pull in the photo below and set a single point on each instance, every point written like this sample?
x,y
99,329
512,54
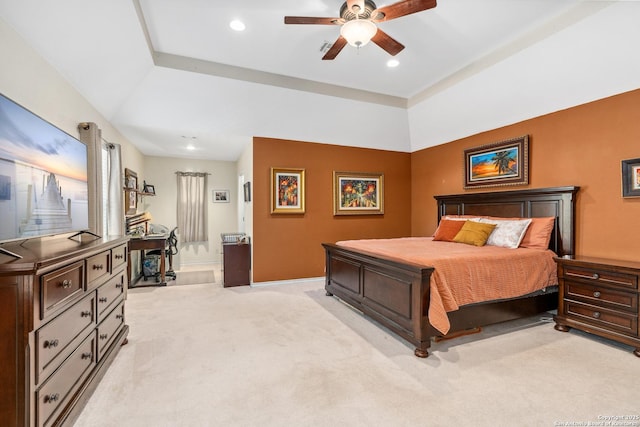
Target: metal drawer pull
x,y
596,314
103,299
98,266
119,256
87,355
596,294
104,336
119,316
52,398
595,276
51,343
119,285
86,314
66,284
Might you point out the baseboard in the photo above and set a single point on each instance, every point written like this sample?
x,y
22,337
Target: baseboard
x,y
287,282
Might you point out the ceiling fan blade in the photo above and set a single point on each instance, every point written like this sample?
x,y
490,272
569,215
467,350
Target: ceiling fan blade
x,y
312,20
401,8
335,49
359,6
392,46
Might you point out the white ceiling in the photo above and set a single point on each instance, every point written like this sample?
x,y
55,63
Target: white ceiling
x,y
168,73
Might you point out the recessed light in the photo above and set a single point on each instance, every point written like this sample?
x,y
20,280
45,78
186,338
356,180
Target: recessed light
x,y
392,63
237,25
190,147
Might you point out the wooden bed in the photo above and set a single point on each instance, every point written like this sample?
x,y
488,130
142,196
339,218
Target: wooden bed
x,y
396,294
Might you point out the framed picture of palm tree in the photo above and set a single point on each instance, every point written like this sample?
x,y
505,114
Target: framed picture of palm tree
x,y
497,164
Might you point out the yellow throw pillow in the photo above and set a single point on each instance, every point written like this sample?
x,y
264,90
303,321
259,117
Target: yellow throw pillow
x,y
474,233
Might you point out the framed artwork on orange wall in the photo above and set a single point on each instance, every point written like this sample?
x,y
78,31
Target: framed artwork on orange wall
x,y
287,191
358,193
497,164
631,178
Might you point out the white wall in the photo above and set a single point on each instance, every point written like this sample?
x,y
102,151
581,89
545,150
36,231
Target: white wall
x,y
595,57
29,80
221,217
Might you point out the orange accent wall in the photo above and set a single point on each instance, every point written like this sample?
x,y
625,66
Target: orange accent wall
x,y
287,246
582,146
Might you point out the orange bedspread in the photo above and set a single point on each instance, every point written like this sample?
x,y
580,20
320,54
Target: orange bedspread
x,y
466,274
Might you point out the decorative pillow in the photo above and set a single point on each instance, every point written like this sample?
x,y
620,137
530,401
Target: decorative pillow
x,y
508,232
539,233
474,233
447,229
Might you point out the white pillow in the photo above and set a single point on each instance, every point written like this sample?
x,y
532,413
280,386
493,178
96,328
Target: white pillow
x,y
508,233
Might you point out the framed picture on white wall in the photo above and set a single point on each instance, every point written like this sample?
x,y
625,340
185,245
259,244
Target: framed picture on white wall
x,y
221,196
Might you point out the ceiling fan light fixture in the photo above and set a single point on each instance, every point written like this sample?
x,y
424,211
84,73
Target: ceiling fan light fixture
x,y
358,32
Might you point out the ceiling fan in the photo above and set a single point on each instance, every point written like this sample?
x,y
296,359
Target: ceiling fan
x,y
358,20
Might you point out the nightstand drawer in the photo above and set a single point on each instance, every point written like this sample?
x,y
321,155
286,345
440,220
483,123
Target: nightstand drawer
x,y
600,295
601,277
603,317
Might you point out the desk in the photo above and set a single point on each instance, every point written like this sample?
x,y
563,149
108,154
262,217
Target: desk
x,y
148,243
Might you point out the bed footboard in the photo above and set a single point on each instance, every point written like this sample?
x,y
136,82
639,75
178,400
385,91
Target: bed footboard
x,y
394,294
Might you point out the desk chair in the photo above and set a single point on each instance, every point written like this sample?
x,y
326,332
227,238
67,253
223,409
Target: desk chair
x,y
170,251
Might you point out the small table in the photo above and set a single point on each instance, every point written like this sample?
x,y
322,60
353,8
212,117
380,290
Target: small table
x,y
142,244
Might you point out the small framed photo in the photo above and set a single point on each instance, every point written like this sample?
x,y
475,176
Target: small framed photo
x,y
247,191
498,164
287,191
149,189
631,178
221,196
358,193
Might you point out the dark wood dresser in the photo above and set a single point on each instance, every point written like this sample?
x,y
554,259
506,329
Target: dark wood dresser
x,y
61,324
599,296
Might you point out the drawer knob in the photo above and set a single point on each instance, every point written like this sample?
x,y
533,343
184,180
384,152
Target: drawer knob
x,y
119,285
51,398
119,316
87,355
66,284
86,313
596,314
119,256
103,299
98,266
51,343
104,336
596,294
595,276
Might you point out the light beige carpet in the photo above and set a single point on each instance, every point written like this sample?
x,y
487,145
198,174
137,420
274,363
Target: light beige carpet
x,y
287,355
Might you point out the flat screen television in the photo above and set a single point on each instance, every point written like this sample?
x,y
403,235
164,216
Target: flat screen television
x,y
43,177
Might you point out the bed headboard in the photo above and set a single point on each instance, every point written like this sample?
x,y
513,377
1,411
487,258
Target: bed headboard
x,y
559,202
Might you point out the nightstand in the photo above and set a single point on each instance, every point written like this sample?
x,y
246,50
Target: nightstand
x,y
599,296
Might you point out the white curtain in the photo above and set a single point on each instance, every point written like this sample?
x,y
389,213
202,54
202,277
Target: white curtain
x,y
113,194
192,204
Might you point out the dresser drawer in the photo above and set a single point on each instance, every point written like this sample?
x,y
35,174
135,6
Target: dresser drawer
x,y
598,316
98,268
60,287
108,329
56,392
109,293
119,256
53,340
601,277
600,295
